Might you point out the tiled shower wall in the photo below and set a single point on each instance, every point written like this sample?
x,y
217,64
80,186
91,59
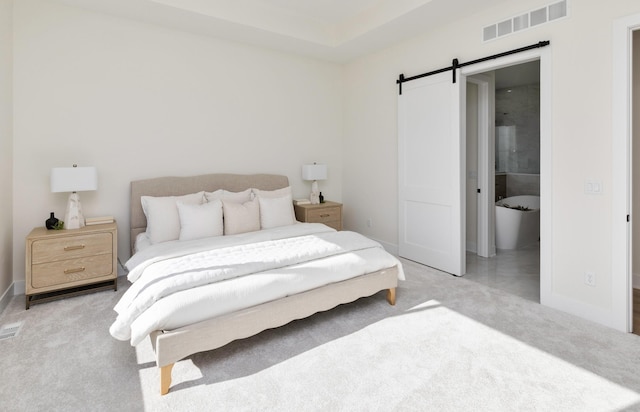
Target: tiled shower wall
x,y
516,184
523,184
520,107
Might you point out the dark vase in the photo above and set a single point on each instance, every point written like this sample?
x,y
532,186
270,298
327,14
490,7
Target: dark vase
x,y
321,198
51,222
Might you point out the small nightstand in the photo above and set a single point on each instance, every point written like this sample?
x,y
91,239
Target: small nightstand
x,y
63,263
329,213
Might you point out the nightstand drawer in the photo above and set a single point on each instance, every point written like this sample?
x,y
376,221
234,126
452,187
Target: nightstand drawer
x,y
72,247
324,215
72,270
329,213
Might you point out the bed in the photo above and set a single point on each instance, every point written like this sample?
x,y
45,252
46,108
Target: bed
x,y
305,268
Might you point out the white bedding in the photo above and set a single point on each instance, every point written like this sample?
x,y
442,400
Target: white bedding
x,y
180,283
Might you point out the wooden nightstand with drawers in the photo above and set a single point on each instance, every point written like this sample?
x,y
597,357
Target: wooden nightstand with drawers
x,y
63,263
329,213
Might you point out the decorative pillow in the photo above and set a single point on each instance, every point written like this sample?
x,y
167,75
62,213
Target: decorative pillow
x,y
163,221
241,217
276,211
198,221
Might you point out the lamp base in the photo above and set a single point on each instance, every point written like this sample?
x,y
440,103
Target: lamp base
x,y
314,197
73,217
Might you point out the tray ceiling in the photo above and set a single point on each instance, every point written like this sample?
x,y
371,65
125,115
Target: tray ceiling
x,y
336,30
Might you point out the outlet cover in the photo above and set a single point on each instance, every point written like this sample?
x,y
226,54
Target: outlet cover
x,y
593,187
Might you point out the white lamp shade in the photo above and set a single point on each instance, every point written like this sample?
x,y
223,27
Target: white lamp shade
x,y
74,179
314,172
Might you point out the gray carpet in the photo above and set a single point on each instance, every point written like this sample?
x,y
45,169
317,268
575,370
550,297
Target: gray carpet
x,y
449,344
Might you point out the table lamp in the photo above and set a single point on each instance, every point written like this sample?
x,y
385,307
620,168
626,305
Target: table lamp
x,y
314,172
74,179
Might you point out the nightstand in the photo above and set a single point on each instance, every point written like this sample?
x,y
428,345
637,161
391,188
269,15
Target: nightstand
x,y
329,213
63,263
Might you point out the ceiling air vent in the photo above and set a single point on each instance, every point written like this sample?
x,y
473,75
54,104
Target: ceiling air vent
x,y
524,21
557,10
538,17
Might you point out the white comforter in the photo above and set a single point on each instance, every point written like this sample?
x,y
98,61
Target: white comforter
x,y
179,283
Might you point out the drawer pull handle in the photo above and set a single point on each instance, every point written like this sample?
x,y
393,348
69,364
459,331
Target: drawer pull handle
x,y
325,215
74,270
76,247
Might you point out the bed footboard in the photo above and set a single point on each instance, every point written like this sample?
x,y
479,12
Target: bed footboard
x,y
172,346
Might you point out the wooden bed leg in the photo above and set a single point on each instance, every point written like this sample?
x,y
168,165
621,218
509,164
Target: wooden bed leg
x,y
165,379
391,296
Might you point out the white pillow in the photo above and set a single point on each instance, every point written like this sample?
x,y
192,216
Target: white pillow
x,y
273,193
241,217
276,211
215,195
198,221
236,197
163,221
276,207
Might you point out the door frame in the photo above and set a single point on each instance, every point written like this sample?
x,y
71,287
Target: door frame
x,y
621,244
485,243
546,154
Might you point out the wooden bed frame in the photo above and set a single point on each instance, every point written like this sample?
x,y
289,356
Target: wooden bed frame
x,y
171,346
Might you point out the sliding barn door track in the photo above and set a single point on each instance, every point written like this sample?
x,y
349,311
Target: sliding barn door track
x,y
455,64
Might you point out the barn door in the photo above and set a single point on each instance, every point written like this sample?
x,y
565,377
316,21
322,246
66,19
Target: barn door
x,y
431,149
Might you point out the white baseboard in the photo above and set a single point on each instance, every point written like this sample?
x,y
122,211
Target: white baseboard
x,y
6,297
583,310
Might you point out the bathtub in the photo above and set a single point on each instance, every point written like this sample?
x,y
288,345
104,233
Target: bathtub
x,y
517,228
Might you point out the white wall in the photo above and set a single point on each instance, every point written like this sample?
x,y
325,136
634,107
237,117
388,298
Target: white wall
x,y
6,149
138,101
581,48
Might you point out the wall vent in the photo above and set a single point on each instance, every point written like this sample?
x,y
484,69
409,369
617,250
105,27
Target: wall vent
x,y
10,330
549,13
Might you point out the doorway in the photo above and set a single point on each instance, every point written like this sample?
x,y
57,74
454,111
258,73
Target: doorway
x,y
510,162
432,169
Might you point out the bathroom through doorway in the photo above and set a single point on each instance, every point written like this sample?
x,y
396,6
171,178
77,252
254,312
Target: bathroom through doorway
x,y
507,257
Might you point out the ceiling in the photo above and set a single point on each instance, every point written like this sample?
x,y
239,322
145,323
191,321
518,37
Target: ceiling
x,y
334,30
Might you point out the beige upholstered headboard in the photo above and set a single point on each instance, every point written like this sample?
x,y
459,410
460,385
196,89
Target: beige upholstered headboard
x,y
177,186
